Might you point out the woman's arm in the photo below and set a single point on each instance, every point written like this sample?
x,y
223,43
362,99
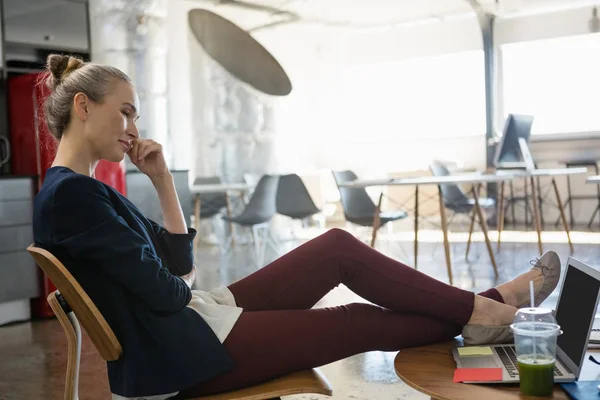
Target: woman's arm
x,y
87,226
173,218
175,239
147,155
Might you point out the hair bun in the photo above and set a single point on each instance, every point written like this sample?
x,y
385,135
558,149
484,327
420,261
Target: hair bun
x,y
59,67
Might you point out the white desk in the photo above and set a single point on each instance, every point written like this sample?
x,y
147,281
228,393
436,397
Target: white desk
x,y
225,188
500,176
594,179
542,172
477,179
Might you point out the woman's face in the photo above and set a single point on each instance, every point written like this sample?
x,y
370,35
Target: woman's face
x,y
110,125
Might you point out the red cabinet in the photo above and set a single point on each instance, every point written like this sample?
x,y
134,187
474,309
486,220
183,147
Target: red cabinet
x,y
33,150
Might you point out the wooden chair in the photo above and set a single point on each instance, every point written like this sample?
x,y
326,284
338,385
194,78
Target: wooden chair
x,y
71,304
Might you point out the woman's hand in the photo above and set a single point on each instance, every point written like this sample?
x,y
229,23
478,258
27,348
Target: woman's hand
x,y
190,277
147,155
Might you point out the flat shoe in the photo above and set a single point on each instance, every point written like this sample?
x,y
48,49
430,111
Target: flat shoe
x,y
487,334
550,266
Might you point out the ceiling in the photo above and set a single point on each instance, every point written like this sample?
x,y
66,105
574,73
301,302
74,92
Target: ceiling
x,y
357,14
369,14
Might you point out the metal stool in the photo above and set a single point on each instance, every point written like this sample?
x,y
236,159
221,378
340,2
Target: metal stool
x,y
571,198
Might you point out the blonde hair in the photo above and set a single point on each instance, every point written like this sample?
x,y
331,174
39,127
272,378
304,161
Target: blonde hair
x,y
67,76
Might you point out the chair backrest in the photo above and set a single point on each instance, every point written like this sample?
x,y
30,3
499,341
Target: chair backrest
x,y
355,201
262,205
84,308
293,199
452,194
210,203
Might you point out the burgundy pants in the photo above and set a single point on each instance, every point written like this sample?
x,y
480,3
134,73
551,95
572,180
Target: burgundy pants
x,y
279,332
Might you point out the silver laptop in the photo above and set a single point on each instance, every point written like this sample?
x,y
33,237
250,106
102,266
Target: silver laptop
x,y
575,313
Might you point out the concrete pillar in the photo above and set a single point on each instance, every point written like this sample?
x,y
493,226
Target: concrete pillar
x,y
132,36
234,124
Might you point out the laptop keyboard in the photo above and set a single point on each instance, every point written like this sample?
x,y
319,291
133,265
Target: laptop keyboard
x,y
509,359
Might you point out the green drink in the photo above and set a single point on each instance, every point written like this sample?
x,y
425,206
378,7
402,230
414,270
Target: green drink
x,y
536,375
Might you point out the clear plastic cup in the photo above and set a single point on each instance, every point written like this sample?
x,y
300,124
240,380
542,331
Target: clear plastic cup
x,y
535,331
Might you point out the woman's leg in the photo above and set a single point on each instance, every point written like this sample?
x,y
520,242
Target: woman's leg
x,y
303,276
267,344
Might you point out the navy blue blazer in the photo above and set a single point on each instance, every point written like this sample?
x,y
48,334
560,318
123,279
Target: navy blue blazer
x,y
126,264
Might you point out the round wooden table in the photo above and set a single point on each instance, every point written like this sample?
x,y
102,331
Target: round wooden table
x,y
429,369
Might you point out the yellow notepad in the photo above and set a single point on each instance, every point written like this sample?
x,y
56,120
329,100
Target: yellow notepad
x,y
475,351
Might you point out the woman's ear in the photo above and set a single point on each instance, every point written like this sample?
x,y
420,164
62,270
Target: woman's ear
x,y
81,104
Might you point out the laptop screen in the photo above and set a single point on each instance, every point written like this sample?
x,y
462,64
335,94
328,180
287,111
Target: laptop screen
x,y
575,312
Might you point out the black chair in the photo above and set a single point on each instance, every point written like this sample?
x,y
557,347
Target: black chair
x,y
456,200
257,214
293,199
358,206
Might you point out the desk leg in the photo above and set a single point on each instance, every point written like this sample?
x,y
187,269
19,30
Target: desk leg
x,y
536,215
473,213
484,228
445,232
231,226
562,214
197,221
376,221
416,224
500,222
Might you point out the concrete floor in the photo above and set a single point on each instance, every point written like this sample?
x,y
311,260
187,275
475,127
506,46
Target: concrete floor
x,y
32,354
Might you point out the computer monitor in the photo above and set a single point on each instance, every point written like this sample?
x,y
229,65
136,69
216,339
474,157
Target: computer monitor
x,y
508,152
575,309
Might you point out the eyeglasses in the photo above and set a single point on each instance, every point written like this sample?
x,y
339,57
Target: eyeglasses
x,y
592,359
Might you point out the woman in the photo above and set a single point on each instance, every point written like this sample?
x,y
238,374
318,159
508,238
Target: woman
x,y
178,341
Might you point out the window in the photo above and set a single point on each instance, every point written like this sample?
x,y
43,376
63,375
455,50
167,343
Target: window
x,y
556,81
441,96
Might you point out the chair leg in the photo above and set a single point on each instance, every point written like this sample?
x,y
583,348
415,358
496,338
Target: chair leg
x,y
562,215
231,225
416,225
473,212
483,224
256,239
444,221
197,205
594,215
512,203
570,202
263,247
70,325
376,221
500,211
597,189
271,240
536,216
540,202
558,219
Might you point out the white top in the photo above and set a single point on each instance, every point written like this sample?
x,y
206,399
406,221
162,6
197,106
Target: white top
x,y
217,307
